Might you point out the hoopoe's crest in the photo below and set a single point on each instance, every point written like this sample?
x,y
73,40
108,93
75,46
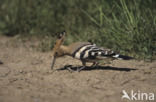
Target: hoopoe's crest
x,y
84,51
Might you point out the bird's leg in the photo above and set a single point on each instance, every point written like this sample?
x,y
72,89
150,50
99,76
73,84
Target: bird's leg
x,y
68,67
84,65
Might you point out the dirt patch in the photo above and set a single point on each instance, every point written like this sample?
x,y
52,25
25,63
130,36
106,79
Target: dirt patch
x,y
25,76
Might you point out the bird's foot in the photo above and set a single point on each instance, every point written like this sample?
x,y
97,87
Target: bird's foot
x,y
69,68
81,68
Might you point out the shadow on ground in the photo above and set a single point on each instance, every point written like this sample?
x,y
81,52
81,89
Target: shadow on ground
x,y
75,68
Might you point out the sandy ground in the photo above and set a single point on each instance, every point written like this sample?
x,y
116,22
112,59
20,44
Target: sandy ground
x,y
25,76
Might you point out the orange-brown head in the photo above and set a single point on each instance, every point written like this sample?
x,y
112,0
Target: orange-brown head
x,y
57,51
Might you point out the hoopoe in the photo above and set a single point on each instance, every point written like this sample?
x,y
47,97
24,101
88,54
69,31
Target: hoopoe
x,y
84,51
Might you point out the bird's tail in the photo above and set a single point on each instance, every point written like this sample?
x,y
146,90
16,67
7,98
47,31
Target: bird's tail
x,y
123,57
101,53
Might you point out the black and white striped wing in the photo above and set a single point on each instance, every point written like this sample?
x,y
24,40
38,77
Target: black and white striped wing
x,y
91,51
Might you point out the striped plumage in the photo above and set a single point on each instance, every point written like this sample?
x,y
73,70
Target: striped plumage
x,y
84,51
91,52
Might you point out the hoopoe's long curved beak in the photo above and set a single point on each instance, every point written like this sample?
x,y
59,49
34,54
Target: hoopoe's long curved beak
x,y
53,61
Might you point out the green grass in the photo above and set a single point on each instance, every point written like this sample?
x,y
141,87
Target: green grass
x,y
128,26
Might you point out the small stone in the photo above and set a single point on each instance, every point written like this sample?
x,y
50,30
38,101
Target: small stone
x,y
1,62
21,71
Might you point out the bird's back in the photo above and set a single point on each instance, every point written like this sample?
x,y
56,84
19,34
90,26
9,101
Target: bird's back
x,y
74,47
88,51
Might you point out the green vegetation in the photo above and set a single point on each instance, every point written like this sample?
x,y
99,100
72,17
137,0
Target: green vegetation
x,y
128,26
